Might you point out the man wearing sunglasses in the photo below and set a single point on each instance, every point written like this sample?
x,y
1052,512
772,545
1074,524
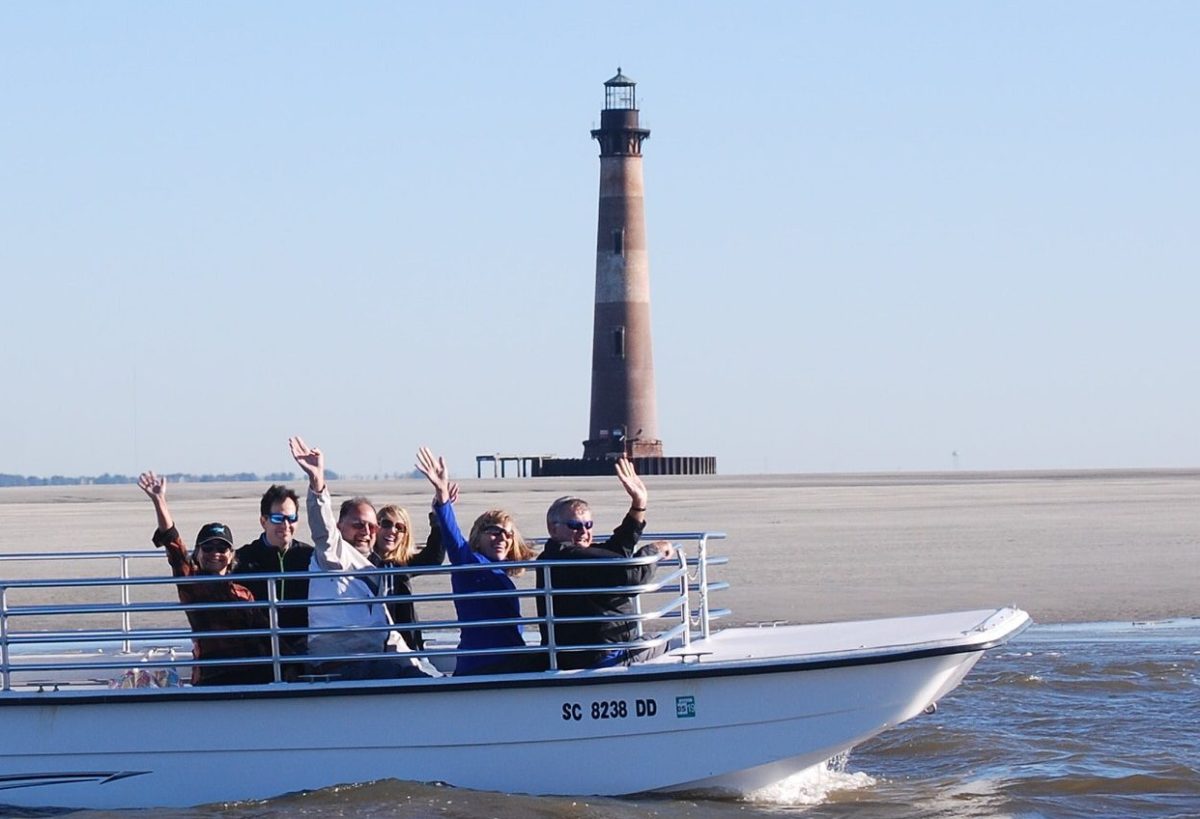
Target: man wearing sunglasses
x,y
569,523
278,550
342,545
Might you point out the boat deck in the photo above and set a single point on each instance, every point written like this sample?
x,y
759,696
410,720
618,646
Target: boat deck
x,y
832,641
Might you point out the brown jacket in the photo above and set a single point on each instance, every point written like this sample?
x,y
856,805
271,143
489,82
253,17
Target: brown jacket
x,y
215,620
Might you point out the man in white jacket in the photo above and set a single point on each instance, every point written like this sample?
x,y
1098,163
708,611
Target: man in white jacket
x,y
344,545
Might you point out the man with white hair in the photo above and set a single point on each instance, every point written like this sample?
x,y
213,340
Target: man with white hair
x,y
569,523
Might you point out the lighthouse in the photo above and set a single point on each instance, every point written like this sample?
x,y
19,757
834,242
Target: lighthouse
x,y
624,412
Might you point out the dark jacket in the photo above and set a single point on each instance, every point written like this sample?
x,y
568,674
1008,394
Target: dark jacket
x,y
402,611
259,557
620,545
204,620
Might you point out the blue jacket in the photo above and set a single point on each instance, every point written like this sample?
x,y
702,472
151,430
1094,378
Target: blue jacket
x,y
482,609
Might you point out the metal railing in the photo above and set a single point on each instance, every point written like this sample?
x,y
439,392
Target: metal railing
x,y
81,651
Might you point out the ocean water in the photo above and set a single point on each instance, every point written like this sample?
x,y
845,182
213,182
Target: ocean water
x,y
1093,720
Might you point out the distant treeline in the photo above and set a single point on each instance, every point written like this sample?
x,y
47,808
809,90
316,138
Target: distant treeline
x,y
177,477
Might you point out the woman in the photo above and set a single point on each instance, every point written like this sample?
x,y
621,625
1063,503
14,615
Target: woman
x,y
494,540
393,549
213,556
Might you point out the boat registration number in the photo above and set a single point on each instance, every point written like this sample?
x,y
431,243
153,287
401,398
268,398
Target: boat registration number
x,y
609,709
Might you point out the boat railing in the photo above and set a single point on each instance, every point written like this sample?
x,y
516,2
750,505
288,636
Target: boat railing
x,y
69,636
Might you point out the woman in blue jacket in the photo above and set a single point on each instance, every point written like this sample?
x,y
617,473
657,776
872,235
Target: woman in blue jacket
x,y
494,541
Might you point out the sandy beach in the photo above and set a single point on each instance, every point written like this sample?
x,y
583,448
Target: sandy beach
x,y
1066,546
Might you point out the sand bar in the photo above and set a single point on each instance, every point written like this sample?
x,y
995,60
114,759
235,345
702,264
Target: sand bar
x,y
1066,546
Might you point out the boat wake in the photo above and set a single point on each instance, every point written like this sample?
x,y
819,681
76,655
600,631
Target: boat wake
x,y
813,785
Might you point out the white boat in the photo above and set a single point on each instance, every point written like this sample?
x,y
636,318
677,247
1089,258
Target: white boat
x,y
723,710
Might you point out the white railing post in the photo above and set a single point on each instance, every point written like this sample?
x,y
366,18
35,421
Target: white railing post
x,y
637,609
5,681
126,621
686,610
702,575
551,642
273,623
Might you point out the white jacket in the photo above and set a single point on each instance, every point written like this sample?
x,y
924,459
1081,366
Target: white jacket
x,y
331,553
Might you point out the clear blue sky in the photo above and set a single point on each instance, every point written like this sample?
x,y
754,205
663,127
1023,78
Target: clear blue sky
x,y
879,233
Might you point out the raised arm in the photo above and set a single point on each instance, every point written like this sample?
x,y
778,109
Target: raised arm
x,y
445,492
638,496
332,552
155,487
434,551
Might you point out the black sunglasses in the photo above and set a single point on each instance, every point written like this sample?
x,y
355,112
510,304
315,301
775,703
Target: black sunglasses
x,y
215,547
279,517
577,525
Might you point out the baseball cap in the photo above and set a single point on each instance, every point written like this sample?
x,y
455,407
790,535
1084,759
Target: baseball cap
x,y
214,531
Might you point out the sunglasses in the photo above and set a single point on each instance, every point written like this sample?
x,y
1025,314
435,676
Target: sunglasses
x,y
362,524
498,531
279,517
393,524
214,547
577,525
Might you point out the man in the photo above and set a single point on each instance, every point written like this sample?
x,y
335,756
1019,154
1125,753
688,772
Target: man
x,y
277,550
344,545
569,523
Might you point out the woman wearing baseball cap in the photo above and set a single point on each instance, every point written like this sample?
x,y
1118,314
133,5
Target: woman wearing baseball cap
x,y
213,555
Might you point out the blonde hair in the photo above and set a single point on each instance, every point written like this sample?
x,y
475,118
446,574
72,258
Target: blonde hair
x,y
518,549
402,552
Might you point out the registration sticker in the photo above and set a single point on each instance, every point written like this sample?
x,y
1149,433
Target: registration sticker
x,y
685,707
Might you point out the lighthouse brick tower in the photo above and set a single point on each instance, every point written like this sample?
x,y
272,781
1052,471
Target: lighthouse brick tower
x,y
624,411
624,414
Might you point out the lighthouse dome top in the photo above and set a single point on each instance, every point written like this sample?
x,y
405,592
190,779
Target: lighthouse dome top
x,y
619,80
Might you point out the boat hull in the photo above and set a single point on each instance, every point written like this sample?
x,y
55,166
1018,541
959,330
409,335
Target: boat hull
x,y
723,723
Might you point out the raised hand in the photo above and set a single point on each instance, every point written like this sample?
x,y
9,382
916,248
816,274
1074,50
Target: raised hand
x,y
155,487
454,492
435,470
638,495
311,461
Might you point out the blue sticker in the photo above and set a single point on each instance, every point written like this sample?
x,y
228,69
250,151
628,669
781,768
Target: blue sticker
x,y
685,707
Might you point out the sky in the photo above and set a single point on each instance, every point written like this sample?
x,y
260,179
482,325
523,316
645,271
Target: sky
x,y
882,236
